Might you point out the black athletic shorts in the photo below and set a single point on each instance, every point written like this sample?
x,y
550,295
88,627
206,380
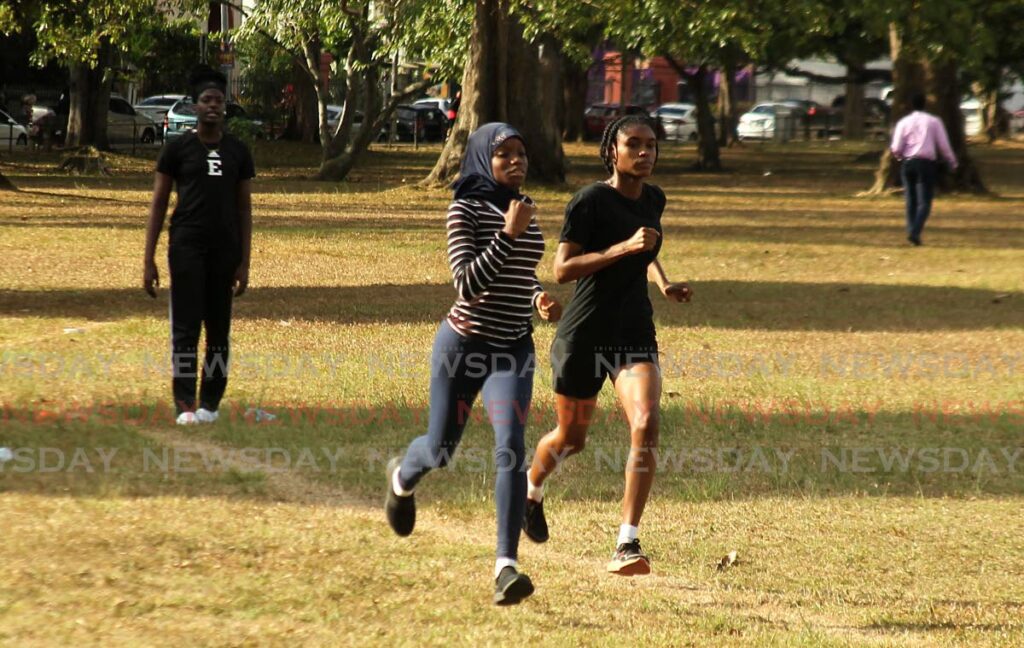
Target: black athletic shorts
x,y
580,369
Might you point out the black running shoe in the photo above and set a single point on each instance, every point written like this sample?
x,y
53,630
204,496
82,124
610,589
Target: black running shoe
x,y
629,560
510,586
401,511
535,526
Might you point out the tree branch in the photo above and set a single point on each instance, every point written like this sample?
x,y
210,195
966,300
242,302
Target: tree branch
x,y
864,77
355,13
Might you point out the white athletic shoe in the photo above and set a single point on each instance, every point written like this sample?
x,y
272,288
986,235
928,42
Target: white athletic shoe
x,y
187,418
204,415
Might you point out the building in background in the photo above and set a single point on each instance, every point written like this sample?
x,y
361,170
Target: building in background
x,y
614,79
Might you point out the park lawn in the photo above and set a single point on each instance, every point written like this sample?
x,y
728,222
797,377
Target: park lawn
x,y
820,357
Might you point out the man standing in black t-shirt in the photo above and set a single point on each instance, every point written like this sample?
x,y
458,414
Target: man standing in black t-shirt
x,y
209,245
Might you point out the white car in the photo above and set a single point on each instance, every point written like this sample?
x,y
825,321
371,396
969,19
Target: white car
x,y
125,125
973,125
11,131
759,123
156,107
334,116
678,121
440,104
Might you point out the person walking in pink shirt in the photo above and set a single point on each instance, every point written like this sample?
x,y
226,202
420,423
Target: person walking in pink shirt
x,y
917,142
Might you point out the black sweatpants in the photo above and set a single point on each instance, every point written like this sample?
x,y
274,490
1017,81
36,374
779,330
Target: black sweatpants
x,y
201,294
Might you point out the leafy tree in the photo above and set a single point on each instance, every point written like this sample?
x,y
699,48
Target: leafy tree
x,y
696,37
90,37
366,38
996,56
927,43
507,77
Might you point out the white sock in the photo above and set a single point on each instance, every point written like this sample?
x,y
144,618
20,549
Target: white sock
x,y
397,486
502,563
627,533
534,492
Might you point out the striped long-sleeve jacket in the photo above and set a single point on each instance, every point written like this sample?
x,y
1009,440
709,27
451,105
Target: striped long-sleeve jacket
x,y
495,276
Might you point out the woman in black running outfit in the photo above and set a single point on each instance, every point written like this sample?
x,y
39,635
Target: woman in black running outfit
x,y
609,245
210,240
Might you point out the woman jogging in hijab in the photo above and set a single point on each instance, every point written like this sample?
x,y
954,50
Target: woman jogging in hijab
x,y
485,344
209,245
609,246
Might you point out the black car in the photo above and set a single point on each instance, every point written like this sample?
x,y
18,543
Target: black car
x,y
421,122
814,118
876,115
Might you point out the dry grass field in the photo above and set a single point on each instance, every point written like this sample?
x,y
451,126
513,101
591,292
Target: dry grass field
x,y
843,410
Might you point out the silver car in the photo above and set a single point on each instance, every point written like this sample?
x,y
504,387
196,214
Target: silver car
x,y
678,121
126,125
156,107
11,131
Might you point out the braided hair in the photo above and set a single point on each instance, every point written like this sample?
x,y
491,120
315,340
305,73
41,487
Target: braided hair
x,y
611,134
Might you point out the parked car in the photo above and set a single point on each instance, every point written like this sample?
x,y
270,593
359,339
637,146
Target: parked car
x,y
1017,121
597,116
973,124
876,115
814,119
759,123
677,121
11,130
440,104
156,107
427,123
334,116
181,117
124,124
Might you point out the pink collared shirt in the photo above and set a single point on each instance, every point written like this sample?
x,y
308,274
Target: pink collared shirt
x,y
920,135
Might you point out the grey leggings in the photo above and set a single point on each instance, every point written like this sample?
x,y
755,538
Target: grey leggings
x,y
460,368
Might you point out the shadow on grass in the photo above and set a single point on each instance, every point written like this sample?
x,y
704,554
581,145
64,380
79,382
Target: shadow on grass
x,y
770,306
280,221
102,451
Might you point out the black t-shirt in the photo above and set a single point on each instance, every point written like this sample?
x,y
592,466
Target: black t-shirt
x,y
207,180
611,306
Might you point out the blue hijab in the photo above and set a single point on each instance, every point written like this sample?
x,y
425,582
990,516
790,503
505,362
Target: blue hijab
x,y
476,178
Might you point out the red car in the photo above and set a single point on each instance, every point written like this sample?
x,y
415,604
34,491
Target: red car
x,y
598,116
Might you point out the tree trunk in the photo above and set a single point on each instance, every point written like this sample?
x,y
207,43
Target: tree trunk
x,y
944,97
5,184
303,117
90,103
542,125
575,100
504,79
907,79
707,147
728,120
339,159
853,108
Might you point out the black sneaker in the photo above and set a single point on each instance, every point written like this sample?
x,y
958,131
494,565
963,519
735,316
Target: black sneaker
x,y
401,511
629,560
510,586
535,526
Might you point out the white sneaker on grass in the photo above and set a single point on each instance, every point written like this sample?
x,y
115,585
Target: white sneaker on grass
x,y
187,418
204,415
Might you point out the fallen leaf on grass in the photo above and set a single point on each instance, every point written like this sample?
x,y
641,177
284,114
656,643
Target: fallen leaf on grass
x,y
728,560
